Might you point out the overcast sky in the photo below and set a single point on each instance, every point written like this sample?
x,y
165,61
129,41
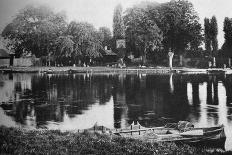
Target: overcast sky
x,y
100,12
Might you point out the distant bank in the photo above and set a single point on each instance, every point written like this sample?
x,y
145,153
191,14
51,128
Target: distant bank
x,y
114,70
54,70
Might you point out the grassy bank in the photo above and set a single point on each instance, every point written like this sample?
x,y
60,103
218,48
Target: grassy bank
x,y
20,141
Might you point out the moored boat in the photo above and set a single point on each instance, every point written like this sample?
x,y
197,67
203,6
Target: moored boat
x,y
173,132
193,71
182,132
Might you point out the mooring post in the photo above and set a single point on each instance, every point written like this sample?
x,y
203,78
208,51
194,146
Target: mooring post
x,y
131,129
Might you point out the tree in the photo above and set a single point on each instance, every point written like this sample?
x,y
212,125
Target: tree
x,y
180,25
141,31
34,30
64,46
105,36
214,33
118,25
211,32
86,39
227,46
207,35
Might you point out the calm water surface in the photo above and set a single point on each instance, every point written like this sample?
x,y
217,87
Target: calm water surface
x,y
77,101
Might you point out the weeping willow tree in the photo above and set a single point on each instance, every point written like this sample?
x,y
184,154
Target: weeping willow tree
x,y
86,39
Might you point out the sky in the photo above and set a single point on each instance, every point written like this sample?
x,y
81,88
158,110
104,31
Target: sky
x,y
100,12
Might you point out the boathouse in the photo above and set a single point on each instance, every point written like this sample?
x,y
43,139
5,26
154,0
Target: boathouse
x,y
6,59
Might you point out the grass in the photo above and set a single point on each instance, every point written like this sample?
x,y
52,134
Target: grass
x,y
22,141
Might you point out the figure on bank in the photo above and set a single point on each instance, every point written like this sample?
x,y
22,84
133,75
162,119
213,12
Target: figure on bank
x,y
170,56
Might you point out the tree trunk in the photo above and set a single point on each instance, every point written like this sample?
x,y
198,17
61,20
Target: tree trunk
x,y
145,55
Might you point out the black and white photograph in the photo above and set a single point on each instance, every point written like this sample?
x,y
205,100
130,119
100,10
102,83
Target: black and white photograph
x,y
125,77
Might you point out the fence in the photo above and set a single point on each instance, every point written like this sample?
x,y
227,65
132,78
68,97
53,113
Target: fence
x,y
26,62
201,62
4,62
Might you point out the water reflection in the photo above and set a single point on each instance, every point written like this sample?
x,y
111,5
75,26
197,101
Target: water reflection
x,y
78,101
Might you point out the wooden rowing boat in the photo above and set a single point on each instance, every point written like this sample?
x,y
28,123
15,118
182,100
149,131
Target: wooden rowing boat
x,y
209,136
180,133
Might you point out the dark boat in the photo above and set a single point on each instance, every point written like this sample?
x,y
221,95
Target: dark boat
x,y
205,137
182,132
171,132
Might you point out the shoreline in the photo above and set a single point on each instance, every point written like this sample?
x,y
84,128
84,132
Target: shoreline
x,y
24,141
100,69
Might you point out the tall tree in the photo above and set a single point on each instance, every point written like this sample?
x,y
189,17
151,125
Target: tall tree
x,y
211,32
105,36
118,25
227,46
180,25
142,32
214,33
207,35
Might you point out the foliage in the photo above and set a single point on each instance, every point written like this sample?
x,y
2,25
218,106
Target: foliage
x,y
227,46
180,25
64,46
214,32
21,141
207,35
141,31
86,39
211,32
34,30
40,31
105,36
118,25
173,25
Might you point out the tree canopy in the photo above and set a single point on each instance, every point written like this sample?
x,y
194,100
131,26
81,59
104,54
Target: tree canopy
x,y
118,24
86,39
34,30
173,25
180,25
105,36
227,46
148,28
211,32
40,31
142,32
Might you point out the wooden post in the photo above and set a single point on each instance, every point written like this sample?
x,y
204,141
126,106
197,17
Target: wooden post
x,y
131,129
229,62
181,60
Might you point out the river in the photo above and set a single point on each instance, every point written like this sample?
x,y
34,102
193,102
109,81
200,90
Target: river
x,y
78,101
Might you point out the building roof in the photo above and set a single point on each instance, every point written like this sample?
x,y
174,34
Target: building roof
x,y
4,53
109,52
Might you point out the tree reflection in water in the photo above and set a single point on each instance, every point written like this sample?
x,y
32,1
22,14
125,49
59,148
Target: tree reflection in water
x,y
35,100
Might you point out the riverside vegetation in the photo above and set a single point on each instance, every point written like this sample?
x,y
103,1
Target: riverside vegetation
x,y
22,141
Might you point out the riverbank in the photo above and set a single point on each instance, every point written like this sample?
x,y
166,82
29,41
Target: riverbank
x,y
99,69
22,141
112,70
